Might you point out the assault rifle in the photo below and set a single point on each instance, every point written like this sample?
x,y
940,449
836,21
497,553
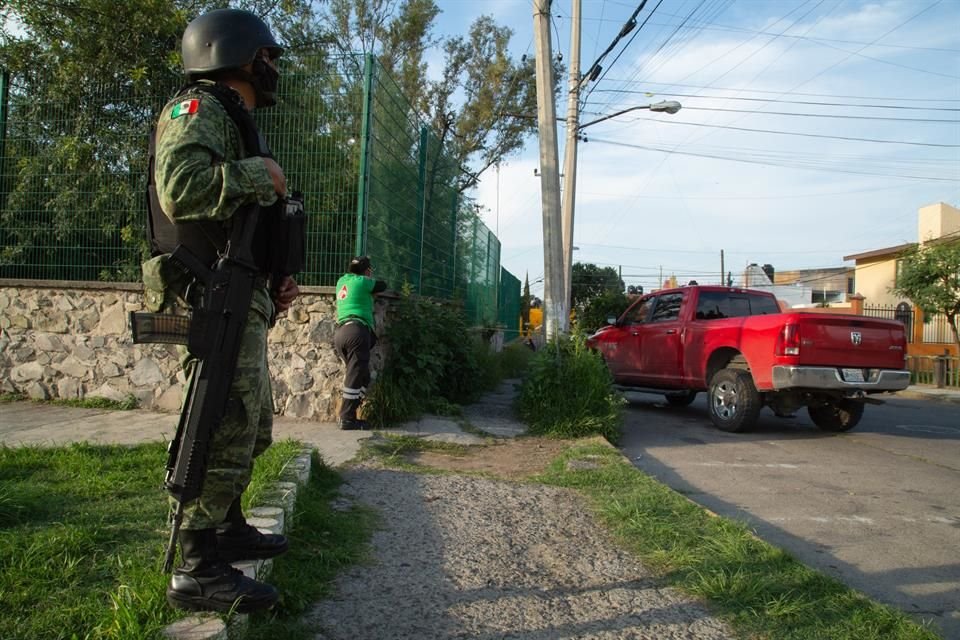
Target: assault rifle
x,y
212,335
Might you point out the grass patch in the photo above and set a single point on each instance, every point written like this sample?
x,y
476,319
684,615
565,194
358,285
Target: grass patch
x,y
322,541
762,590
127,404
392,450
82,534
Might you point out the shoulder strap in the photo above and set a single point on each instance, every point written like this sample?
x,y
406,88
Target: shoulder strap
x,y
204,239
253,141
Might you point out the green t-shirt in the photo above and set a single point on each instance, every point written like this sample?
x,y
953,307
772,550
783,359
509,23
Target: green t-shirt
x,y
355,298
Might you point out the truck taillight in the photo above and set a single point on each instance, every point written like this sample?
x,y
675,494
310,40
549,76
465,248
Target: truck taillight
x,y
788,344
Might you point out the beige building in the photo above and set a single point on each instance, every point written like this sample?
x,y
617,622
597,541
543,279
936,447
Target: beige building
x,y
876,271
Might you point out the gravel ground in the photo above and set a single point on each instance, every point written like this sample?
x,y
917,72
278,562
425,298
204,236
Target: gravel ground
x,y
467,557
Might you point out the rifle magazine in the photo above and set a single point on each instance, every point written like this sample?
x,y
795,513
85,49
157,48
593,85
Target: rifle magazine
x,y
161,328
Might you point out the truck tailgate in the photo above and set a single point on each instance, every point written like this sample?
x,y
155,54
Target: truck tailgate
x,y
852,341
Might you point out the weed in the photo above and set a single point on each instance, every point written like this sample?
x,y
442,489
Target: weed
x,y
127,404
568,393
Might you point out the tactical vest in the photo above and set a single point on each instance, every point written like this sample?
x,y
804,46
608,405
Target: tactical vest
x,y
207,239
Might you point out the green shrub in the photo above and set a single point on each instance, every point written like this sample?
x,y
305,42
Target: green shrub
x,y
568,393
434,363
515,360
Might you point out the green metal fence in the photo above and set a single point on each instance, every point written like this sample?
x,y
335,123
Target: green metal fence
x,y
375,177
509,305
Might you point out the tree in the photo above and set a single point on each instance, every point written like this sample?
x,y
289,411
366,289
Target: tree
x,y
525,302
480,106
589,281
88,78
930,277
595,313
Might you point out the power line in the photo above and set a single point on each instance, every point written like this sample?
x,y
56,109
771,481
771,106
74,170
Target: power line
x,y
627,27
794,93
823,115
633,20
770,163
804,102
806,135
716,26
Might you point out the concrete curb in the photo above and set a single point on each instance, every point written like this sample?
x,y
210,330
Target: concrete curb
x,y
949,396
275,515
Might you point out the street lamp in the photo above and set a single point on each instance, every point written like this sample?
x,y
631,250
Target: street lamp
x,y
667,106
570,168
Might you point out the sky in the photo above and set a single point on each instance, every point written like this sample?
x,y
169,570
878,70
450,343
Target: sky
x,y
660,195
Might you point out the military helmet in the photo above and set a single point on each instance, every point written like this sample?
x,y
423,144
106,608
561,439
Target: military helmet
x,y
225,39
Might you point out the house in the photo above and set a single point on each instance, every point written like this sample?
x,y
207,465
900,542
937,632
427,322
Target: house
x,y
876,276
825,286
876,270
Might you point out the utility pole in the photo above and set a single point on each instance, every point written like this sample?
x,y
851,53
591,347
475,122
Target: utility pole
x,y
570,156
723,269
555,314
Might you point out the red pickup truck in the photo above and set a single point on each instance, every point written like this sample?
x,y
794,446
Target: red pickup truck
x,y
736,345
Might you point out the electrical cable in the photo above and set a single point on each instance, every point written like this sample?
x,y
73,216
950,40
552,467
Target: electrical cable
x,y
824,115
770,163
806,135
804,102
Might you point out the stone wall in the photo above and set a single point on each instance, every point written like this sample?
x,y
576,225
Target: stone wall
x,y
72,340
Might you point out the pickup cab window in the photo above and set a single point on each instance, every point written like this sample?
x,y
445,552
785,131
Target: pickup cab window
x,y
668,307
639,313
715,305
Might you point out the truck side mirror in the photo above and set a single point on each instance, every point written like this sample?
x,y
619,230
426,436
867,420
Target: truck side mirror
x,y
612,320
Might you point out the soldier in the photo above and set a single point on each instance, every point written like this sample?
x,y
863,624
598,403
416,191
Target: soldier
x,y
211,164
354,336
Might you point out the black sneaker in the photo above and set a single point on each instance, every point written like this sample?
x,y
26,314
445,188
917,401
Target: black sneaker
x,y
352,424
247,543
219,588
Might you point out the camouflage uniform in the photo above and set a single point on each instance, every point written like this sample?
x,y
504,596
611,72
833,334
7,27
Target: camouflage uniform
x,y
202,173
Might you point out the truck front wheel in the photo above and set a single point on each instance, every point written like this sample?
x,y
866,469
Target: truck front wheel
x,y
734,400
838,415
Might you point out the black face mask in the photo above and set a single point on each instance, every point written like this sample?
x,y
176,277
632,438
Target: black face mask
x,y
264,80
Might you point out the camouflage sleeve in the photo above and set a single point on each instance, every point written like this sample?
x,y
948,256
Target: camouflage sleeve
x,y
200,170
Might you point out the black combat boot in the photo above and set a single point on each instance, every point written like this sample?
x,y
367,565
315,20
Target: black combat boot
x,y
352,424
237,540
204,582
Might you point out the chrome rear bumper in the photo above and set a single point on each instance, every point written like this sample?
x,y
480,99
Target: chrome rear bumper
x,y
788,377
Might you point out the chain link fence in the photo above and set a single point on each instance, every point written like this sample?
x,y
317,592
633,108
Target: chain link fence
x,y
375,177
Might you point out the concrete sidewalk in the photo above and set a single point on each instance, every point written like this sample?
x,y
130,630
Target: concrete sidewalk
x,y
34,423
930,392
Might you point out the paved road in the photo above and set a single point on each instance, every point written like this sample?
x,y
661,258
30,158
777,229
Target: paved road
x,y
878,507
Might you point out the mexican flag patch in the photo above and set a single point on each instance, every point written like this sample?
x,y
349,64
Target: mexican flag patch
x,y
185,108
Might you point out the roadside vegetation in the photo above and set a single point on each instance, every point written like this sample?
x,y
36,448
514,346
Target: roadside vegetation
x,y
568,393
82,534
762,590
435,363
127,404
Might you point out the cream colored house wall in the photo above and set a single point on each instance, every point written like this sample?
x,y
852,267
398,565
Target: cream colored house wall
x,y
937,220
874,279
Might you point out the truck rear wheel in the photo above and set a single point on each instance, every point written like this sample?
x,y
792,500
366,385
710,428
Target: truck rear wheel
x,y
680,399
839,415
734,400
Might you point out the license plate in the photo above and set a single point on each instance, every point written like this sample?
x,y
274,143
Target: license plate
x,y
853,375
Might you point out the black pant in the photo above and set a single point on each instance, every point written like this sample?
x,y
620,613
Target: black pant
x,y
352,342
